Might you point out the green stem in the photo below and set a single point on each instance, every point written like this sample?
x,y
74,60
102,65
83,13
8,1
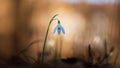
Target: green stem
x,y
56,52
47,36
60,48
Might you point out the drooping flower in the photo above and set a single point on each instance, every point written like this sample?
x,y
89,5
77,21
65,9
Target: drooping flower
x,y
59,28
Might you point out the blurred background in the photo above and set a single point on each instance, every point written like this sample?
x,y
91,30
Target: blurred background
x,y
24,23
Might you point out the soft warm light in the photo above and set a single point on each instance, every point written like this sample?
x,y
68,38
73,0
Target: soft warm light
x,y
97,39
51,43
98,44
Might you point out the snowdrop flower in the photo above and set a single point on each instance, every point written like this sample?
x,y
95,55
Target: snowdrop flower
x,y
59,28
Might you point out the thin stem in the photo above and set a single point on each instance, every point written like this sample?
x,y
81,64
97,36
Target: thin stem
x,y
60,48
46,37
56,52
25,49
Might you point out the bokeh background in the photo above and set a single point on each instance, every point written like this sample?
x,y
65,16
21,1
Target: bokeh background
x,y
85,22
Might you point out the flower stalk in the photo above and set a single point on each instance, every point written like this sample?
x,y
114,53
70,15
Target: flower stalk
x,y
60,47
44,46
